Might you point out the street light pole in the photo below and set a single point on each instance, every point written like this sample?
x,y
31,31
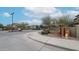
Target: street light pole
x,y
12,20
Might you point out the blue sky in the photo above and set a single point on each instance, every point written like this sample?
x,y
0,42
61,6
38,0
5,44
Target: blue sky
x,y
33,15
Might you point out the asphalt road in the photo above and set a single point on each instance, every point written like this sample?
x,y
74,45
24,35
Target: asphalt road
x,y
19,41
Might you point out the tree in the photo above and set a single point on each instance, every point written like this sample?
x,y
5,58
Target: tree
x,y
16,26
65,21
22,25
76,20
1,25
8,27
47,22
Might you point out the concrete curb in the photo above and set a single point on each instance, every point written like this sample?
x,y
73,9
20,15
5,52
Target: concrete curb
x,y
48,42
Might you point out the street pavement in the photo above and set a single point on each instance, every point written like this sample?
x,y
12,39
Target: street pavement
x,y
19,41
65,43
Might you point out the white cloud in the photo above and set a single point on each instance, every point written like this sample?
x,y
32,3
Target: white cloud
x,y
42,10
6,14
77,8
32,15
72,13
39,12
36,22
32,22
57,14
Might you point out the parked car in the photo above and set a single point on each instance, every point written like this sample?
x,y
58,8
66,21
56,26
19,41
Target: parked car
x,y
45,31
19,29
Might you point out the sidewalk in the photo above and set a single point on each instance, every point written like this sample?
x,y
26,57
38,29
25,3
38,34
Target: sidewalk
x,y
55,41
